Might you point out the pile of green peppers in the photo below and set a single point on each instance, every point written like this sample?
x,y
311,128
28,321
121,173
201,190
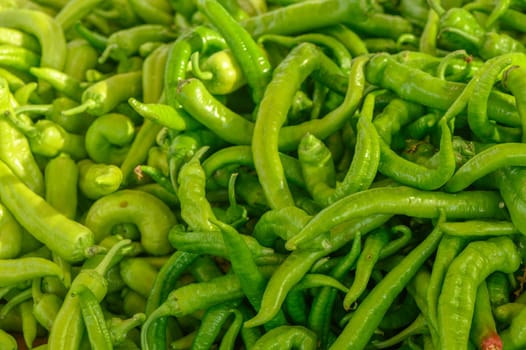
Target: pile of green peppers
x,y
262,174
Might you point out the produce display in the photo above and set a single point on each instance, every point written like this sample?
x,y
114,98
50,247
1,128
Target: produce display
x,y
262,174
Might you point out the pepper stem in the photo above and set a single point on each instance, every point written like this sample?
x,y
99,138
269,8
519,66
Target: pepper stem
x,y
196,69
39,109
80,108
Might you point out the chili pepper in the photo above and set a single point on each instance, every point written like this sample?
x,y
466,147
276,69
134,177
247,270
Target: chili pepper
x,y
68,238
96,180
252,61
363,167
475,204
15,300
242,155
96,40
287,337
13,81
483,163
348,38
419,176
93,317
97,99
109,15
60,81
403,315
459,29
374,243
251,279
48,139
283,223
150,215
270,119
108,138
198,39
18,57
153,83
483,329
156,12
509,181
132,267
162,114
11,235
21,160
319,317
22,269
396,114
45,305
77,124
61,180
157,175
183,300
495,254
382,25
285,20
74,11
513,336
7,341
505,313
15,37
119,328
477,106
317,167
220,72
512,78
383,70
204,269
368,315
68,328
44,28
126,42
197,101
163,285
80,57
418,326
29,323
229,337
479,228
213,320
335,48
195,208
499,289
448,248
